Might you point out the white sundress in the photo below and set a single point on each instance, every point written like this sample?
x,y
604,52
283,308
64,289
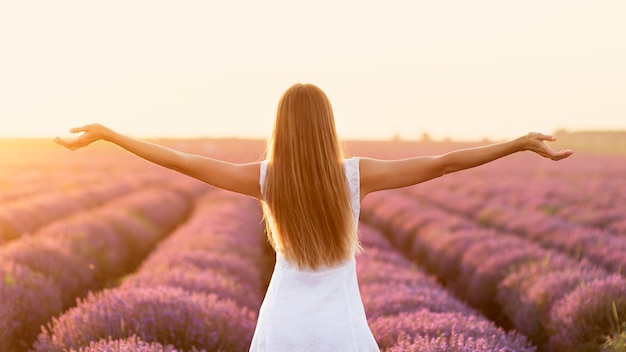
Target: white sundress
x,y
306,310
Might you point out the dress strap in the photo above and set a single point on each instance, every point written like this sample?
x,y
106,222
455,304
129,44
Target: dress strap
x,y
353,178
262,173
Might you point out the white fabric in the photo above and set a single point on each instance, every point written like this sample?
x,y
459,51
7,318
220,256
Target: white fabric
x,y
321,310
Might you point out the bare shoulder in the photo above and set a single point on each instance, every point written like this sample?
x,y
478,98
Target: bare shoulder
x,y
244,178
250,174
371,171
367,166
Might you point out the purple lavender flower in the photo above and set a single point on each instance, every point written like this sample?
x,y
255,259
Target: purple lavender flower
x,y
456,343
131,344
48,257
9,230
483,284
201,256
540,298
478,252
218,234
513,291
27,300
369,272
138,235
164,314
142,204
32,212
94,242
405,328
370,238
203,281
590,316
386,256
224,263
379,300
618,227
609,252
406,311
444,252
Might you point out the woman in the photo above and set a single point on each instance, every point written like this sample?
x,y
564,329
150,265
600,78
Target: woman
x,y
311,200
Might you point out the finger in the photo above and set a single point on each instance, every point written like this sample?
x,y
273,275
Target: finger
x,y
71,144
84,128
562,154
547,137
77,129
61,141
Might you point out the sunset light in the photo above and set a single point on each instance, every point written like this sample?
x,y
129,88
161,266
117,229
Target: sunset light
x,y
452,69
173,179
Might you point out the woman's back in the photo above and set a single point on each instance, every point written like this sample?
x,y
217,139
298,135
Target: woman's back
x,y
304,186
315,310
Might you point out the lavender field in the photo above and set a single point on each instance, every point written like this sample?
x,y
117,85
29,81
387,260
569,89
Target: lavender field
x,y
101,251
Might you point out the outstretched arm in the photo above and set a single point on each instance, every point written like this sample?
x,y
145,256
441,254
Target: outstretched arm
x,y
378,175
240,178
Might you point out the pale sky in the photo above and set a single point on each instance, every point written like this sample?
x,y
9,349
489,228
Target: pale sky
x,y
453,68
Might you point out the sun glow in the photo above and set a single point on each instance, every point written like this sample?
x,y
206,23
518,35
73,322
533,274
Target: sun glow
x,y
449,68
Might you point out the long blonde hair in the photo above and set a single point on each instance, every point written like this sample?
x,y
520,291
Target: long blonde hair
x,y
306,197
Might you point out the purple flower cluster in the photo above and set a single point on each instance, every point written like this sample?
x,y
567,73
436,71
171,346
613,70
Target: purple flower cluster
x,y
131,344
586,222
112,239
509,278
471,260
599,246
405,306
591,317
18,183
217,251
528,295
27,300
534,253
587,190
27,214
453,343
446,331
199,288
86,251
166,315
49,257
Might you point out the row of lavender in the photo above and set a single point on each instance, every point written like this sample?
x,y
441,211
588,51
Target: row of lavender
x,y
559,302
44,272
28,213
202,279
17,184
603,247
206,256
409,311
587,192
198,290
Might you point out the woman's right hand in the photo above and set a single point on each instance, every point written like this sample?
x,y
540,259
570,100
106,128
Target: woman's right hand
x,y
90,133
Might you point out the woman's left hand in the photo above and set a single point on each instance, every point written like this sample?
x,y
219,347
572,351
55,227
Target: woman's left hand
x,y
535,142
